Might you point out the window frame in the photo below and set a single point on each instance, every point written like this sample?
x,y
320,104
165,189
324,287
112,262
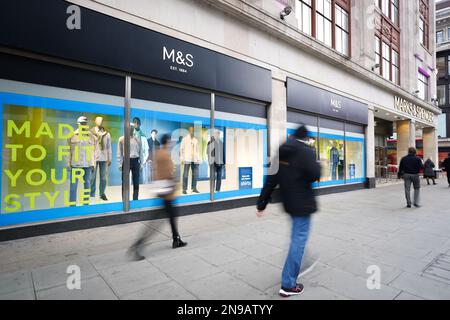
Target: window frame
x,y
390,5
389,60
317,15
424,18
424,81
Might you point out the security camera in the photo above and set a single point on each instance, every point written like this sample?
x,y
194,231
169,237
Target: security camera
x,y
286,11
375,66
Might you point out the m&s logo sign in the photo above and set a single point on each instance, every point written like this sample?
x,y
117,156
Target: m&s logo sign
x,y
178,57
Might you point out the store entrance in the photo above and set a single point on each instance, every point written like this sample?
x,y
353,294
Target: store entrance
x,y
385,169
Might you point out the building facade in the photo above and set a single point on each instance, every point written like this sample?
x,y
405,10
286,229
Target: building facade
x,y
443,76
245,73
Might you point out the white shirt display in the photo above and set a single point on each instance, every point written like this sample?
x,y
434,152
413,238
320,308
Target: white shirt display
x,y
189,151
135,150
103,150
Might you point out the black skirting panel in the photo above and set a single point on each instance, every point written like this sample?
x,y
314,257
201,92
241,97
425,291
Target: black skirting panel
x,y
122,218
22,69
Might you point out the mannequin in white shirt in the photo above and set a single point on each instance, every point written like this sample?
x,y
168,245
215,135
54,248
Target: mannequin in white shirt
x,y
190,159
136,159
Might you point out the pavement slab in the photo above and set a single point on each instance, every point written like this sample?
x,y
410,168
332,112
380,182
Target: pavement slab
x,y
244,255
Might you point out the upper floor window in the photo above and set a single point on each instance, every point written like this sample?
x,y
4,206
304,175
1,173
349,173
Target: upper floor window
x,y
390,9
440,36
342,31
424,27
303,13
423,86
388,60
326,20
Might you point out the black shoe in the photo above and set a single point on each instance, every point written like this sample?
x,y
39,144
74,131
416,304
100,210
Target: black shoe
x,y
286,293
195,191
184,192
134,255
103,197
178,243
417,205
408,206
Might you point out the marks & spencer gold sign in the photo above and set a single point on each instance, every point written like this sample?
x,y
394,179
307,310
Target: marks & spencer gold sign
x,y
413,110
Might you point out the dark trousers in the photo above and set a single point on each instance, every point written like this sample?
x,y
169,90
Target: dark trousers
x,y
134,168
448,177
194,169
218,176
150,232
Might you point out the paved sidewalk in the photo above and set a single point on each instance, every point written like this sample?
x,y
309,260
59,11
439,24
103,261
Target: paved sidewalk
x,y
234,255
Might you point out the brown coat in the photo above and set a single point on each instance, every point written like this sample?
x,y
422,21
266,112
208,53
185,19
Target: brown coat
x,y
163,165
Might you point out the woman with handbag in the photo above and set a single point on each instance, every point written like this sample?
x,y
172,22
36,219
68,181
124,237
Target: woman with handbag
x,y
429,171
164,187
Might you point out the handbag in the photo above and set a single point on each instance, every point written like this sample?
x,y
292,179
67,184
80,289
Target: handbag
x,y
163,187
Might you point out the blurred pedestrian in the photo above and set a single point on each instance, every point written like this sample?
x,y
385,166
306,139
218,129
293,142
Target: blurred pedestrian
x,y
428,172
165,187
298,169
446,165
409,169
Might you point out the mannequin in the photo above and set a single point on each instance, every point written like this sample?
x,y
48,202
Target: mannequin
x,y
334,161
139,133
81,159
153,146
190,159
216,158
136,159
103,156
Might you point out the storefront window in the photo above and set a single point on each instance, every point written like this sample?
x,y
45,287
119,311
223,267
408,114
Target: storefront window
x,y
58,153
237,148
188,128
354,155
441,95
332,157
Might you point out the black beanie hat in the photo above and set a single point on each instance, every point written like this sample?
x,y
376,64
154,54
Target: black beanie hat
x,y
301,133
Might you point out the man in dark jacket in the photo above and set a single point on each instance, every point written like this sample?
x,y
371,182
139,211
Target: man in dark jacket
x,y
298,169
409,169
446,165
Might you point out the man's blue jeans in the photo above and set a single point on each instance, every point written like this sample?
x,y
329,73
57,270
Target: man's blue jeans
x,y
299,237
74,185
102,165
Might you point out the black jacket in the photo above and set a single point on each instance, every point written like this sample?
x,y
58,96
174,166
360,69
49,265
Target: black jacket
x,y
410,164
429,169
446,164
298,169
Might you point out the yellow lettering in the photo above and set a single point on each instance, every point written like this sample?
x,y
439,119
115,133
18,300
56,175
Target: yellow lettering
x,y
63,151
51,199
67,202
29,180
14,148
13,127
38,158
12,205
61,134
13,177
83,132
53,176
32,196
77,173
89,151
44,130
85,195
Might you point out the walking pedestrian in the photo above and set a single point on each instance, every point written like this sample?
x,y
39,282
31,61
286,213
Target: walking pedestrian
x,y
165,186
409,169
446,165
428,172
298,169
